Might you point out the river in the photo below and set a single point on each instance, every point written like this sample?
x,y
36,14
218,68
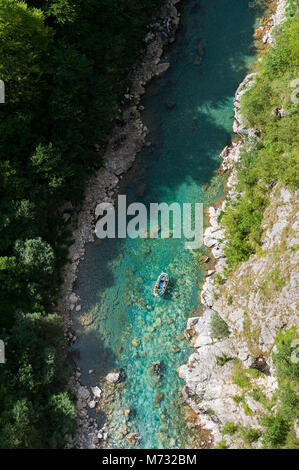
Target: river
x,y
122,326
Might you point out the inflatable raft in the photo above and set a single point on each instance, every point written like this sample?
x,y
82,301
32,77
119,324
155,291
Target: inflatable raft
x,y
161,285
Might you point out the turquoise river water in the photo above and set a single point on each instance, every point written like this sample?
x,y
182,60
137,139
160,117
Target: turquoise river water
x,y
122,326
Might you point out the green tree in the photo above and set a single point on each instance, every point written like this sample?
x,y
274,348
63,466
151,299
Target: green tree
x,y
24,46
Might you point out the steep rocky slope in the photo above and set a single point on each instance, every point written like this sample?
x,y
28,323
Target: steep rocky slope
x,y
256,301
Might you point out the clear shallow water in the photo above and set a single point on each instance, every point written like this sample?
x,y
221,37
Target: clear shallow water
x,y
189,111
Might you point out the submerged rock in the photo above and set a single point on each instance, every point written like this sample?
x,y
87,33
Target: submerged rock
x,y
162,68
170,104
155,368
136,342
119,156
253,317
200,49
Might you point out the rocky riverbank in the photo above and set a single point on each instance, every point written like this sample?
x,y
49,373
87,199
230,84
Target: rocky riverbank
x,y
248,320
127,139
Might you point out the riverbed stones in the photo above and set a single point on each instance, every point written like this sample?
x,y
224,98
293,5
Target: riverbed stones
x,y
97,392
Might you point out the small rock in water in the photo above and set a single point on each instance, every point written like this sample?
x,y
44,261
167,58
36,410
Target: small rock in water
x,y
96,391
113,377
162,68
92,404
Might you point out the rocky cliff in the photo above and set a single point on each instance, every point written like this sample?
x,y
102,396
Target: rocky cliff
x,y
231,367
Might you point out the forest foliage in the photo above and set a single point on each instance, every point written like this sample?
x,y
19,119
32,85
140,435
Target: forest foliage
x,y
270,159
65,65
279,429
